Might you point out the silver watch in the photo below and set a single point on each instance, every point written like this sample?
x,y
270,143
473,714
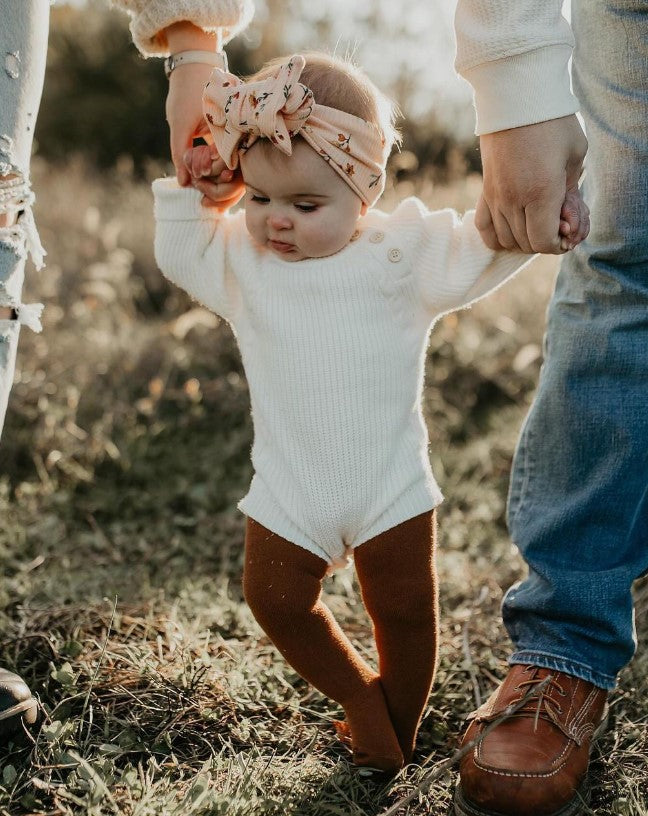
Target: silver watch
x,y
218,59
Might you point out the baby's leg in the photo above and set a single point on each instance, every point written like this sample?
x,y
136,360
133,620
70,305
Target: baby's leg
x,y
282,585
398,580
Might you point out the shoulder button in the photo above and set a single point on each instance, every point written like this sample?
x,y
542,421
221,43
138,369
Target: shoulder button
x,y
394,255
377,237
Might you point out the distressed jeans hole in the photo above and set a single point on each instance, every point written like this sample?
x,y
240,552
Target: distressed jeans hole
x,y
11,196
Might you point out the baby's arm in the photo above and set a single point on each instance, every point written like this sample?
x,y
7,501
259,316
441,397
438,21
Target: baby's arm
x,y
195,246
451,265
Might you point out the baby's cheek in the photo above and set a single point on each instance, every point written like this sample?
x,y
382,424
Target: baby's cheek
x,y
327,239
252,225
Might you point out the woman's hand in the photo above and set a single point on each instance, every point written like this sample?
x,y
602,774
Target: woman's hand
x,y
184,110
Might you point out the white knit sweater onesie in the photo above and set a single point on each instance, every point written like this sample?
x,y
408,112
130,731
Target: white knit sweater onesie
x,y
333,350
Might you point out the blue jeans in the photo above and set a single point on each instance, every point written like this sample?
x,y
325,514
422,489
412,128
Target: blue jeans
x,y
578,501
23,49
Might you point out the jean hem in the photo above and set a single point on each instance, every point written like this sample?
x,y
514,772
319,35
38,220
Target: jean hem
x,y
565,665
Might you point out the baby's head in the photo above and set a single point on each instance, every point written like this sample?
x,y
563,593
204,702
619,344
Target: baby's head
x,y
305,203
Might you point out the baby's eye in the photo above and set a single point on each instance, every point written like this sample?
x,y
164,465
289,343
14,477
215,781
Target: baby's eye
x,y
306,207
259,199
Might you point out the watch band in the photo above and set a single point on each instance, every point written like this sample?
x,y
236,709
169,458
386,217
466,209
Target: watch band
x,y
216,58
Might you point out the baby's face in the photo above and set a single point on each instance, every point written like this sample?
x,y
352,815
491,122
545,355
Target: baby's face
x,y
297,206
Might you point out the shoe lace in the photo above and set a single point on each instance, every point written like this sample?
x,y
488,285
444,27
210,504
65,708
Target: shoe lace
x,y
545,700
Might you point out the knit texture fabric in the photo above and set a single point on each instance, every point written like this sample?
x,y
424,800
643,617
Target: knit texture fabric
x,y
282,586
334,351
149,18
515,55
397,577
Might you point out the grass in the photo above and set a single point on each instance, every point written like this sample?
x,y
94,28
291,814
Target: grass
x,y
124,453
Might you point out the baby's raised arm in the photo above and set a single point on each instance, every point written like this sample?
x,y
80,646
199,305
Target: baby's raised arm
x,y
451,265
197,247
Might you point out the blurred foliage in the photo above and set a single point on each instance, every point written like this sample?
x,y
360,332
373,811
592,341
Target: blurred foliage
x,y
103,101
100,99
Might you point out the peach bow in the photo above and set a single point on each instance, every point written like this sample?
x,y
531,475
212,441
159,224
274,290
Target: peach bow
x,y
280,108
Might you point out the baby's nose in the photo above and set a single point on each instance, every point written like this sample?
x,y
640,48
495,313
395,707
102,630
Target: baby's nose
x,y
279,221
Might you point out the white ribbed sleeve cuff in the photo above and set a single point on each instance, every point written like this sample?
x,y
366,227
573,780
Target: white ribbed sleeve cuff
x,y
176,203
522,89
149,18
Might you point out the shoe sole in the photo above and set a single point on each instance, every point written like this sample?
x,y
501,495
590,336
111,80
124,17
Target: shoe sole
x,y
464,807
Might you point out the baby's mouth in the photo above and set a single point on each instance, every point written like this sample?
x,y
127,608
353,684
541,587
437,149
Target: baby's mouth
x,y
280,246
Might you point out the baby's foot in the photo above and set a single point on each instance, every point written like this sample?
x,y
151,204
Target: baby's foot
x,y
344,732
369,731
389,764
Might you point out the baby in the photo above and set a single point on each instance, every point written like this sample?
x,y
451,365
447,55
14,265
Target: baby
x,y
331,302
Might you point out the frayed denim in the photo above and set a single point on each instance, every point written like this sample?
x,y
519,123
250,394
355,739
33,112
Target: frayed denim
x,y
23,50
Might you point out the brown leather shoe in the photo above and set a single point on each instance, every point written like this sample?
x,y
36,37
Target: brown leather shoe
x,y
536,761
16,703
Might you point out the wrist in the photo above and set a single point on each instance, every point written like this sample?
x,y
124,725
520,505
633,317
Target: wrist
x,y
210,59
185,36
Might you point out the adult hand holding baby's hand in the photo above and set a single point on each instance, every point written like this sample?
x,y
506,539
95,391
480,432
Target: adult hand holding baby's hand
x,y
184,109
220,186
530,172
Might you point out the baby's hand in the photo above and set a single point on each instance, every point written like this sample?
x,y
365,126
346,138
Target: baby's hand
x,y
574,220
220,186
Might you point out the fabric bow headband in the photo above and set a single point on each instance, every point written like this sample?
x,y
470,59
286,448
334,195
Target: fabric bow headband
x,y
279,108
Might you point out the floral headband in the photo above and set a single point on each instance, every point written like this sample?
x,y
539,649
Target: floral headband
x,y
279,108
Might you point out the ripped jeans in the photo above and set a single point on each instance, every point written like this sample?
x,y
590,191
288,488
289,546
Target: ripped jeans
x,y
23,50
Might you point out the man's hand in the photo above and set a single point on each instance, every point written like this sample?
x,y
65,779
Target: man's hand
x,y
220,186
531,186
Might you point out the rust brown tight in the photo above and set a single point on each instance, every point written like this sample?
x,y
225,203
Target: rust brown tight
x,y
282,585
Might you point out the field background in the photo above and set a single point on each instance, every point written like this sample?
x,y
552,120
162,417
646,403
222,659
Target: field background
x,y
125,451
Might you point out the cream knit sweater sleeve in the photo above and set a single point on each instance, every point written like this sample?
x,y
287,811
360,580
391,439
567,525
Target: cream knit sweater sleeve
x,y
193,246
149,18
514,53
451,265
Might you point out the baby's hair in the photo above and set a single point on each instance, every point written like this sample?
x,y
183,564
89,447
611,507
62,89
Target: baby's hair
x,y
340,84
